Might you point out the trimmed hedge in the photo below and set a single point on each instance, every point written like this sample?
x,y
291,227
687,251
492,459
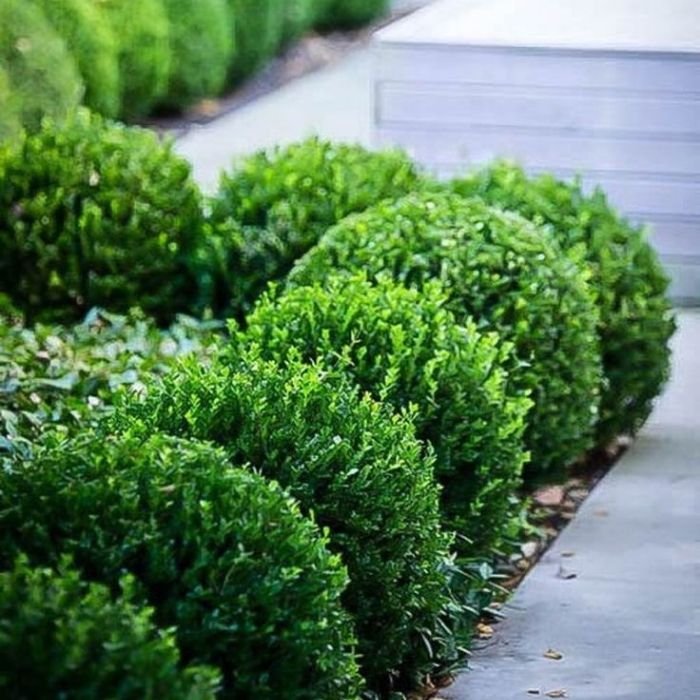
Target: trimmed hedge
x,y
276,205
61,637
201,44
404,347
96,214
299,16
512,278
635,314
94,48
43,77
357,467
219,553
351,13
142,31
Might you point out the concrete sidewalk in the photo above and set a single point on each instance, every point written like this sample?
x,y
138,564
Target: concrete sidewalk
x,y
628,624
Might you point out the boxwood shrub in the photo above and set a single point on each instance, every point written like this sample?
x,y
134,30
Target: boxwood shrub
x,y
96,214
201,44
61,637
275,206
357,467
43,77
93,46
405,347
220,554
351,13
142,32
635,317
508,275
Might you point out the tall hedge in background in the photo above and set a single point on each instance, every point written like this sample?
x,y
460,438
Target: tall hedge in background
x,y
61,637
142,32
348,14
275,205
201,44
96,214
630,283
511,277
43,77
93,47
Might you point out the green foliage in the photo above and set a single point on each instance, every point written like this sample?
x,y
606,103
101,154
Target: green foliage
x,y
9,110
511,278
635,314
404,347
43,77
299,16
91,43
65,379
201,41
357,467
351,13
61,637
222,555
142,31
96,214
276,205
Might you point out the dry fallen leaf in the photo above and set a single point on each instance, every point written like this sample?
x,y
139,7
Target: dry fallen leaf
x,y
568,555
484,631
529,549
558,693
549,496
553,654
601,513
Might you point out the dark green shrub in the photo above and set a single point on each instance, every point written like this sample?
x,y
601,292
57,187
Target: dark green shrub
x,y
299,16
96,214
357,467
404,347
61,637
276,205
511,278
201,43
142,32
9,111
343,14
43,77
93,47
258,26
219,553
635,314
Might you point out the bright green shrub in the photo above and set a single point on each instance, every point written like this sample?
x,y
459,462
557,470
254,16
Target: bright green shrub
x,y
61,637
635,314
276,205
142,32
405,347
201,42
357,467
511,278
43,77
220,554
351,13
9,112
93,47
96,214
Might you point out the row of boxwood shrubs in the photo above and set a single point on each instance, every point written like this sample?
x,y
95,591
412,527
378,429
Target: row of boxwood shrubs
x,y
128,57
307,506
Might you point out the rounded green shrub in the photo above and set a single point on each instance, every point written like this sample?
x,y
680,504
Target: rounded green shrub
x,y
221,555
96,214
511,278
348,14
347,459
10,124
61,637
276,205
635,314
142,33
299,16
201,41
93,47
43,77
404,347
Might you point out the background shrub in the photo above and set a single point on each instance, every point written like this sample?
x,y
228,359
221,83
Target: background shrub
x,y
96,214
512,278
218,552
142,32
299,16
9,111
635,314
351,13
201,44
61,637
276,205
43,78
93,47
358,468
404,347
